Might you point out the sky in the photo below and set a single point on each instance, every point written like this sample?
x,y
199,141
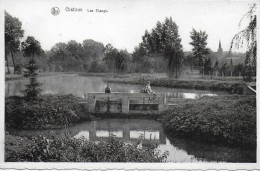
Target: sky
x,y
126,20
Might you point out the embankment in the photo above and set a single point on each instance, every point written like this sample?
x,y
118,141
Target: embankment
x,y
228,120
215,85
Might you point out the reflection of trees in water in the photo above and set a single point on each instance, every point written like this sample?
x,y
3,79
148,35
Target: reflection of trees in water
x,y
212,152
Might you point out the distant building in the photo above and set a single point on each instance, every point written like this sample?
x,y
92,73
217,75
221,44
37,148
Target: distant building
x,y
222,57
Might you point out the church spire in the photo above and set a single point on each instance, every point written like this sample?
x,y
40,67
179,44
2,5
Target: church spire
x,y
220,50
219,45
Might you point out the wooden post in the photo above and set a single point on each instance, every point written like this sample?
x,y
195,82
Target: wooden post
x,y
92,103
125,105
161,103
231,73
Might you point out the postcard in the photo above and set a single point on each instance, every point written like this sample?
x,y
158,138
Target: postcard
x,y
129,84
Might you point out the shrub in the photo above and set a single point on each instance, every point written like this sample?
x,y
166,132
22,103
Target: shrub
x,y
226,120
42,149
33,89
46,112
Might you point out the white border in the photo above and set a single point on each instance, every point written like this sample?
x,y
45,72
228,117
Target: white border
x,y
121,166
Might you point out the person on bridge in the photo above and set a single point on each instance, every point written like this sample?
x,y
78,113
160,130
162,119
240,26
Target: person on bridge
x,y
147,88
107,89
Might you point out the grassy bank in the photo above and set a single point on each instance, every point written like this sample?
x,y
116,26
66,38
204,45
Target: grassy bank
x,y
42,74
41,149
232,86
228,120
48,111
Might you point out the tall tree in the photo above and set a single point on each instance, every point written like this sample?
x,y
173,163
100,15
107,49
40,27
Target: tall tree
x,y
164,40
110,56
247,36
199,43
93,49
31,47
13,34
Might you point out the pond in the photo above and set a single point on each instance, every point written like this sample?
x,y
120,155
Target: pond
x,y
130,130
81,85
180,150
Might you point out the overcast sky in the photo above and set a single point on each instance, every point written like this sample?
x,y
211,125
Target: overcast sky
x,y
126,20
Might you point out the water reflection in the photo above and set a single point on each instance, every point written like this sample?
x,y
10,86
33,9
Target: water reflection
x,y
128,129
105,133
180,150
80,86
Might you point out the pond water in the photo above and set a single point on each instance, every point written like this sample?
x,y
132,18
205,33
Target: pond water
x,y
180,150
80,86
130,130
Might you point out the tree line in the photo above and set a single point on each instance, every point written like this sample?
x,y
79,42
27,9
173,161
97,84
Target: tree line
x,y
160,50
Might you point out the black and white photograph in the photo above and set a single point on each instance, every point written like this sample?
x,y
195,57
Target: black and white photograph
x,y
129,81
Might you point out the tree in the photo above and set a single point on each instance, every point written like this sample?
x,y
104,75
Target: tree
x,y
31,47
110,56
247,36
116,59
13,34
207,66
92,49
199,43
164,40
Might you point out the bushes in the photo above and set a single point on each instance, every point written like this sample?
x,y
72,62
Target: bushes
x,y
226,120
47,111
76,150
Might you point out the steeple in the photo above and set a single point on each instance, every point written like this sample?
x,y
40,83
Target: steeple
x,y
219,45
220,50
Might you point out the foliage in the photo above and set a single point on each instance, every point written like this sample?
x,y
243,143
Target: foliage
x,y
33,89
42,149
13,34
164,40
199,43
207,66
239,70
74,56
46,111
116,59
31,47
227,120
248,36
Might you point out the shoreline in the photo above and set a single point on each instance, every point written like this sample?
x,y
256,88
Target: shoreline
x,y
230,85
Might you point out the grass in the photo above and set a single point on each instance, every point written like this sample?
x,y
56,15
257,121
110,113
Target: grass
x,y
228,120
232,86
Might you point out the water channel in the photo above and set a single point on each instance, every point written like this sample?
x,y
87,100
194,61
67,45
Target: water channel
x,y
180,150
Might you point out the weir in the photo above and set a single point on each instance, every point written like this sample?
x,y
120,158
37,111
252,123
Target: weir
x,y
127,103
